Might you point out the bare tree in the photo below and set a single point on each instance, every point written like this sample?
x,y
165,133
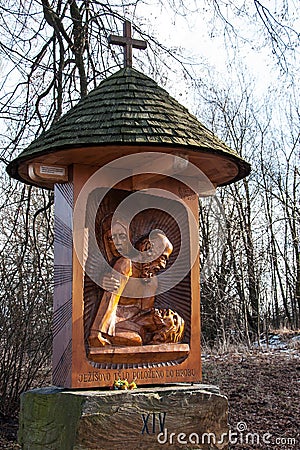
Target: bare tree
x,y
55,52
262,252
273,25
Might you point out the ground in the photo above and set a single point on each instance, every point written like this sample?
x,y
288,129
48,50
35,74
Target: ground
x,y
263,390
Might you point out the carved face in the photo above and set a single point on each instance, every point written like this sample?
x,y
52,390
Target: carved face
x,y
158,250
160,259
117,239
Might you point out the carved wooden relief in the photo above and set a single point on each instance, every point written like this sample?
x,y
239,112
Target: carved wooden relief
x,y
103,329
148,328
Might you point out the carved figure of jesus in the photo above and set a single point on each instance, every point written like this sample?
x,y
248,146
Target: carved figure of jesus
x,y
122,319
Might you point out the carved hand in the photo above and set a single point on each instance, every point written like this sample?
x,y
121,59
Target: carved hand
x,y
110,283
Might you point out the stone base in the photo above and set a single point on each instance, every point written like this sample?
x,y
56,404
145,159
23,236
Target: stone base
x,y
178,417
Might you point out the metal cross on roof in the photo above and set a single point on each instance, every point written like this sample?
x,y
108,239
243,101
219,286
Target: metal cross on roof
x,y
127,42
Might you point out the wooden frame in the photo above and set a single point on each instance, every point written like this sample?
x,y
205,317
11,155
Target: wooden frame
x,y
73,366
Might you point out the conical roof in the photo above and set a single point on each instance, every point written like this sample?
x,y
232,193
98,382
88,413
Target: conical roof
x,y
126,109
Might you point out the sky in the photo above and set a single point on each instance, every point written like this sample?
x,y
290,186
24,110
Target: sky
x,y
214,51
203,38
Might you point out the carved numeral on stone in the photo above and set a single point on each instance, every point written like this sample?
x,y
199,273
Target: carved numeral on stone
x,y
150,420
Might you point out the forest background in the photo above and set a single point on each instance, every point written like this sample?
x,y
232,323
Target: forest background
x,y
235,65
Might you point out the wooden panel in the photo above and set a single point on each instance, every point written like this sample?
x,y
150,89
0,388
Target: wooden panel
x,y
220,169
142,224
184,297
140,355
62,315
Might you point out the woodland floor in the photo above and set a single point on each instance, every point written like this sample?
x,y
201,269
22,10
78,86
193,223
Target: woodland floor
x,y
263,389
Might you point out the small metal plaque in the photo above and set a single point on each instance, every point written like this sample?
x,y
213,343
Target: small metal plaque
x,y
53,170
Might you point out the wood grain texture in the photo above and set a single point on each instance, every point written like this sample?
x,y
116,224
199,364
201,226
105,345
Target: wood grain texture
x,y
61,316
221,170
142,354
63,274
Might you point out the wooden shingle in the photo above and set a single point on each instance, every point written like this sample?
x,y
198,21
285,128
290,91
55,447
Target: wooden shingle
x,y
127,108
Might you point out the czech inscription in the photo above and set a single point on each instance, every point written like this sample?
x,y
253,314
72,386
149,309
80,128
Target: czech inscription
x,y
144,374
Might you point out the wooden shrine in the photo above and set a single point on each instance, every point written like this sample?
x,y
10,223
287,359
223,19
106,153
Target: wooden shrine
x,y
127,164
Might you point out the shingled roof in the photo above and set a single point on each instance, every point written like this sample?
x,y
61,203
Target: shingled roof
x,y
127,108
